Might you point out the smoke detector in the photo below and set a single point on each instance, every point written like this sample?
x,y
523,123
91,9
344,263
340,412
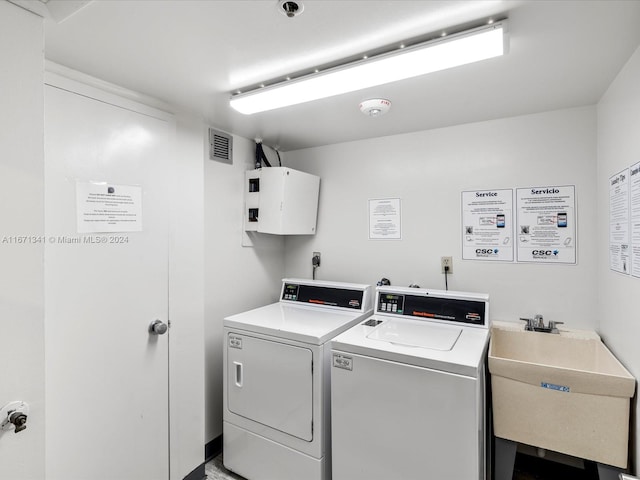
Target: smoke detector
x,y
375,107
290,8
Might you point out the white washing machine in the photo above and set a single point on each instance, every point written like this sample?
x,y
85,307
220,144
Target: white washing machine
x,y
408,388
277,358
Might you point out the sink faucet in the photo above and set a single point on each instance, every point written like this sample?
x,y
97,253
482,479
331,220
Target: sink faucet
x,y
536,324
538,321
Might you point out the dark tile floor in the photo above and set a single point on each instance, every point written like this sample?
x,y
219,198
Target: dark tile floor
x,y
526,468
215,470
534,468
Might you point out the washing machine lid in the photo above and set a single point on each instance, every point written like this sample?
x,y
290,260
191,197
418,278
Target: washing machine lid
x,y
465,357
301,323
441,330
417,334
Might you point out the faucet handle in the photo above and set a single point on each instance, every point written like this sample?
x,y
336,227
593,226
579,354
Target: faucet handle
x,y
553,325
529,325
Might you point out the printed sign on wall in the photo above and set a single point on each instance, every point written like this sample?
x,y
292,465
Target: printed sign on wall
x,y
546,224
619,222
487,225
384,219
634,187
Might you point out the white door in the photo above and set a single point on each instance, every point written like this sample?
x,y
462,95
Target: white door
x,y
271,383
106,374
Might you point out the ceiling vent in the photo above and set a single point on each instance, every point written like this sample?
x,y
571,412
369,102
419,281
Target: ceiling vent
x,y
220,146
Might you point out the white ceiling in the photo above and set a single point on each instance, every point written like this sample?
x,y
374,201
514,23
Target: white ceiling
x,y
193,54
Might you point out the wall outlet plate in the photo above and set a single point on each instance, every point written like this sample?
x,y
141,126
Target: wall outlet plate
x,y
446,262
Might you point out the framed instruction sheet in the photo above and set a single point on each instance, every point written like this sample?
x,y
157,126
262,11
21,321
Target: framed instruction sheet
x,y
487,225
546,224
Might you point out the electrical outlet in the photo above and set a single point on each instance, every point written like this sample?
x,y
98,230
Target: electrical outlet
x,y
447,262
315,259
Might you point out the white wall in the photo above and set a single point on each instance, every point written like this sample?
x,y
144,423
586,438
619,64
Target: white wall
x,y
618,148
237,278
428,170
186,300
21,214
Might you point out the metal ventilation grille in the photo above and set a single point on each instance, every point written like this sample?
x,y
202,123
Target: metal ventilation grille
x,y
220,146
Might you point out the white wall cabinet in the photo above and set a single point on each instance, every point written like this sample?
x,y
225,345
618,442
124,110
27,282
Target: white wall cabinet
x,y
281,201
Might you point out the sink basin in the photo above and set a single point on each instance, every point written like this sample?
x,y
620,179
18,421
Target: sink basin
x,y
564,393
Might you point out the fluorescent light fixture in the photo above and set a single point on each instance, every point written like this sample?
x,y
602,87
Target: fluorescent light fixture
x,y
446,52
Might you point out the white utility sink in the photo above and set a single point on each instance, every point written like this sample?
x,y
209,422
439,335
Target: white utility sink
x,y
562,392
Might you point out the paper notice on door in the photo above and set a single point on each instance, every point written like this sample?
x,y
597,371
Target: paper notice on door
x,y
105,208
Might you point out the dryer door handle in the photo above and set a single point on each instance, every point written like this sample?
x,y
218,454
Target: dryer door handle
x,y
239,375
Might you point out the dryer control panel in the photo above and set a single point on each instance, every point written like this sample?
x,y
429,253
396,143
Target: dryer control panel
x,y
453,307
348,296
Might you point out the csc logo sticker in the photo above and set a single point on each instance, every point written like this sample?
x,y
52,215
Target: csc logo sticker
x,y
486,252
545,253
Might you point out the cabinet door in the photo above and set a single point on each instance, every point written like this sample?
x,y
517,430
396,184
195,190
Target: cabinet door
x,y
271,383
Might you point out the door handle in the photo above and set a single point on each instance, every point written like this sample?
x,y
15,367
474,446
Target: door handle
x,y
14,415
238,371
158,327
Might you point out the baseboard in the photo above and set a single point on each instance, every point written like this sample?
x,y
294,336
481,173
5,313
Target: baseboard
x,y
197,474
213,448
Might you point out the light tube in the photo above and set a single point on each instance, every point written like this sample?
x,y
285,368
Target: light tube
x,y
448,52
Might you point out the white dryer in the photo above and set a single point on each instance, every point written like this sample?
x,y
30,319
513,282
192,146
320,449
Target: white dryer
x,y
408,388
277,358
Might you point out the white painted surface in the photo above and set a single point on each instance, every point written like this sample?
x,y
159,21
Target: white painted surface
x,y
619,148
428,170
237,278
21,274
186,300
563,53
107,377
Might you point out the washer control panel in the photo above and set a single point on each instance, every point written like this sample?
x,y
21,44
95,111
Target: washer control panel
x,y
434,305
290,291
390,303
